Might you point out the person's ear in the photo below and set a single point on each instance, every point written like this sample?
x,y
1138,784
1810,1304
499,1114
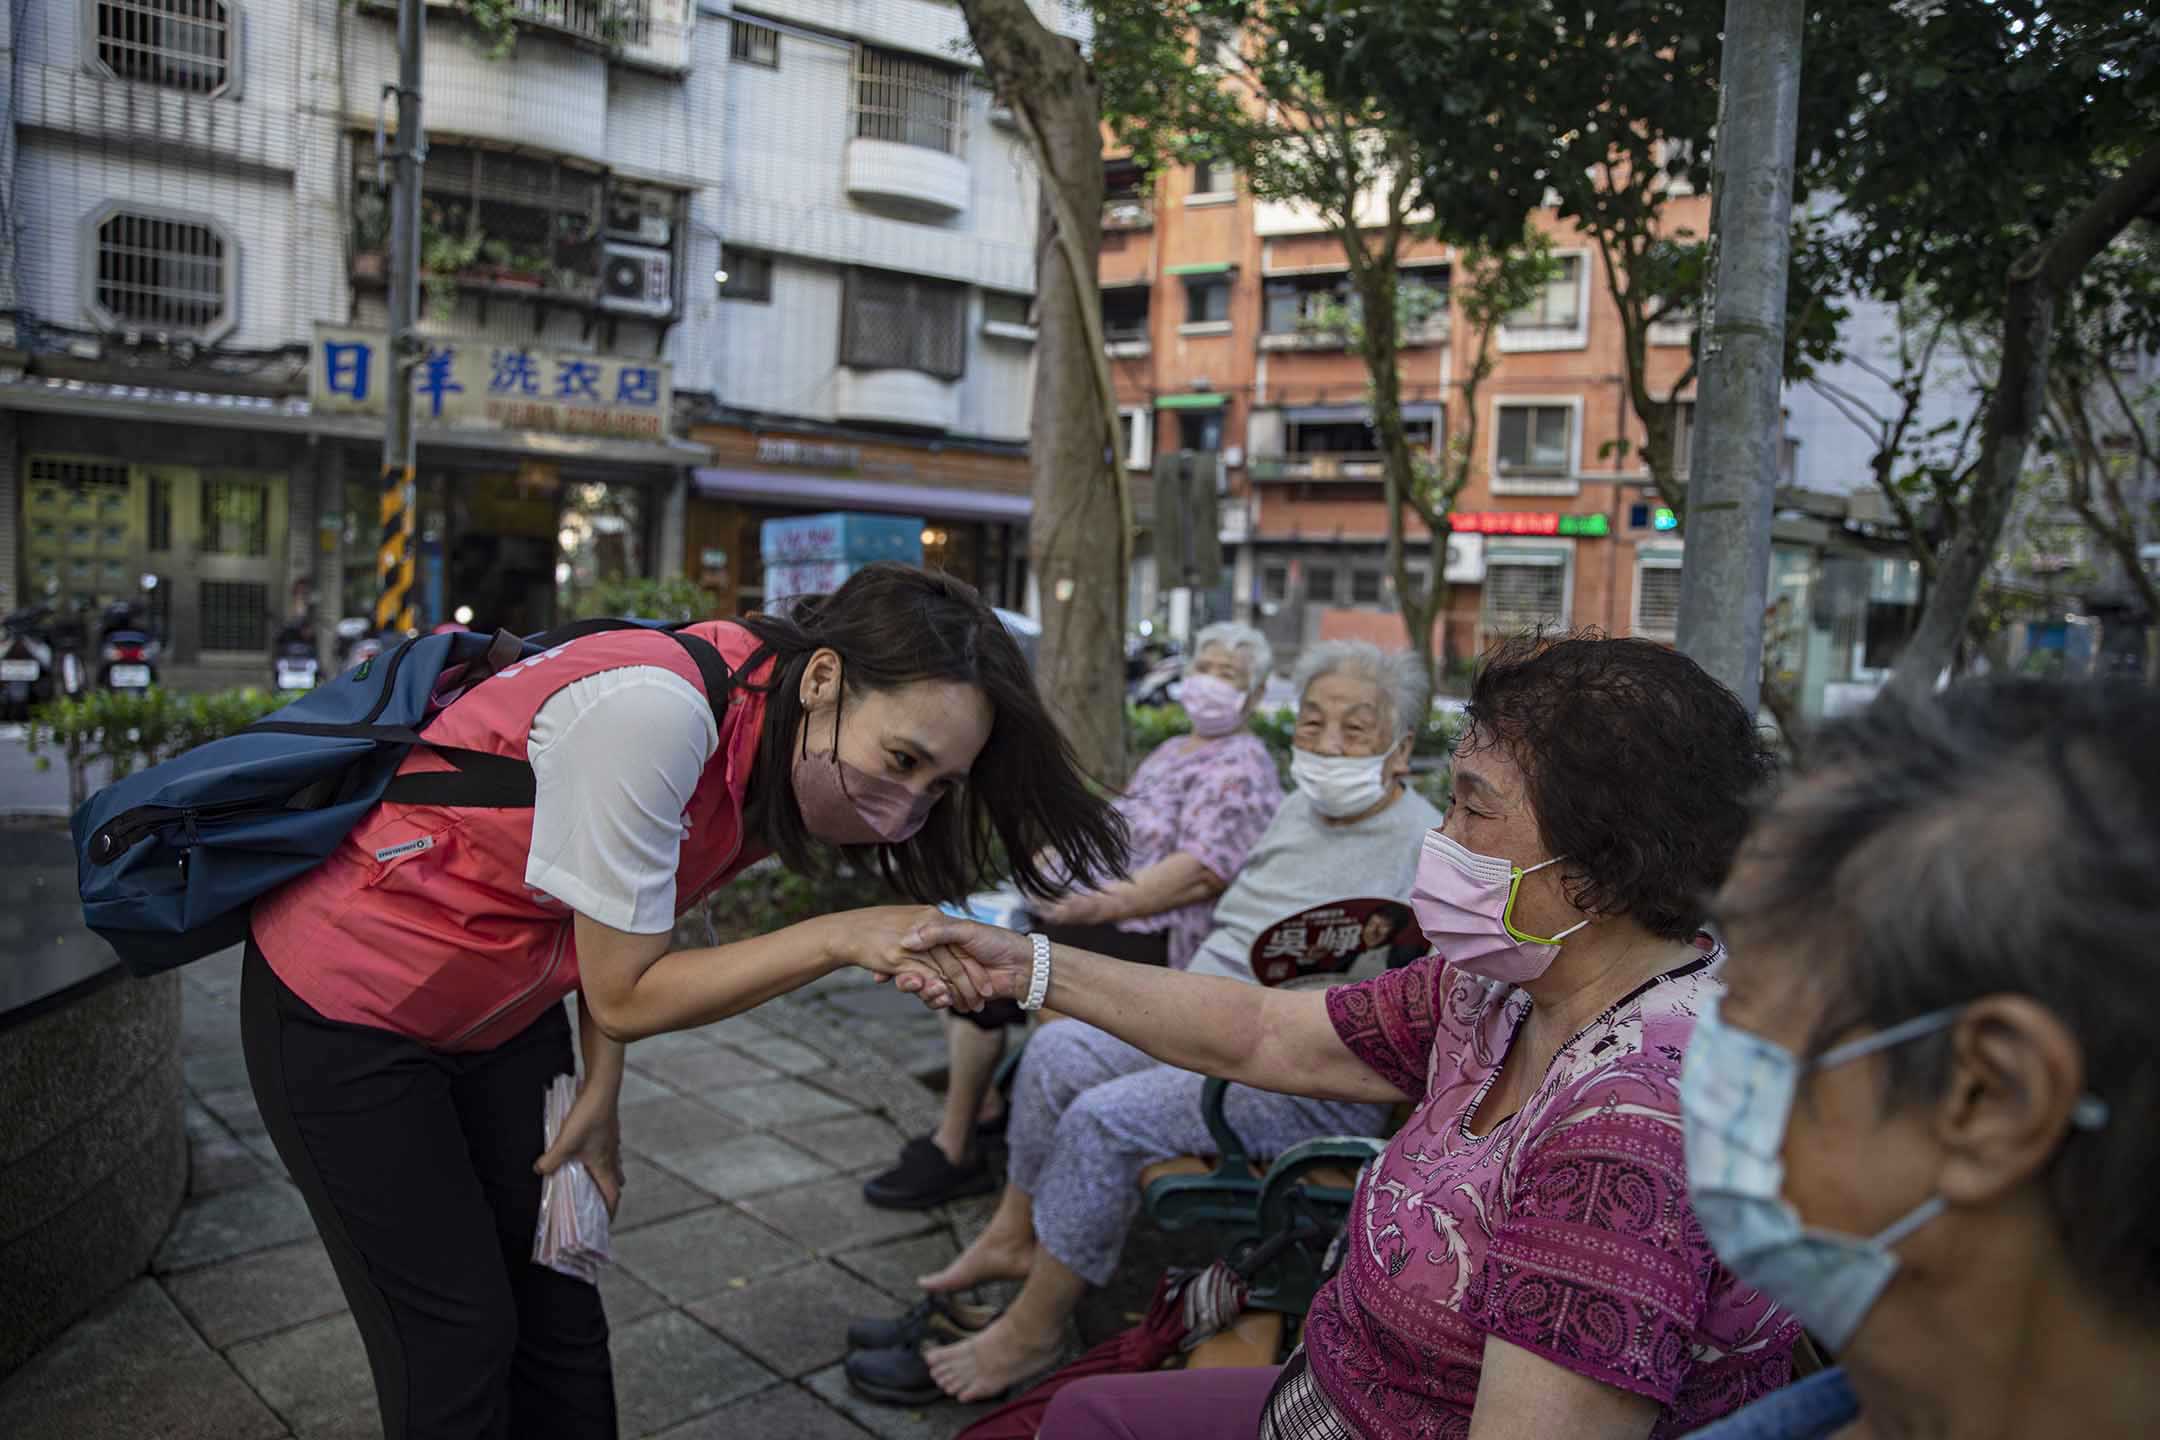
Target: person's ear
x,y
820,680
1398,764
2015,1075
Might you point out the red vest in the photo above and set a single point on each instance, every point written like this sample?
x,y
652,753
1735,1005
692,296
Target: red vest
x,y
421,922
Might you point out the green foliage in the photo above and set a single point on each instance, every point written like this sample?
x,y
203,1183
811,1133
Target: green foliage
x,y
130,730
1146,728
645,599
768,897
498,22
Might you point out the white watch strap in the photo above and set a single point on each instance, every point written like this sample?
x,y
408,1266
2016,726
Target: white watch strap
x,y
1039,982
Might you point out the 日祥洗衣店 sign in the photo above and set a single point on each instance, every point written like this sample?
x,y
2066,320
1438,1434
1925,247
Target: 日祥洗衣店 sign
x,y
488,385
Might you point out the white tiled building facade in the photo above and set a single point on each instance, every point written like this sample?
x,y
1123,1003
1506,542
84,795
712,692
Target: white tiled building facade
x,y
192,195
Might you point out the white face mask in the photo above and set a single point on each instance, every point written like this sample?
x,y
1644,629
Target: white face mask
x,y
1736,1094
1340,785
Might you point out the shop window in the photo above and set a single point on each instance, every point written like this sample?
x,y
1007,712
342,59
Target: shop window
x,y
235,516
186,45
749,277
1522,595
1657,597
907,100
235,615
903,322
753,44
1207,300
161,272
1125,315
1557,310
1534,440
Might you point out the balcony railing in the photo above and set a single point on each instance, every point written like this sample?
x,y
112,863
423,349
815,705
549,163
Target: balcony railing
x,y
613,23
1333,467
1128,214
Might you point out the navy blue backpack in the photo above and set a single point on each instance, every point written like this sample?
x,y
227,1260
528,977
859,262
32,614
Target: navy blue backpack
x,y
170,860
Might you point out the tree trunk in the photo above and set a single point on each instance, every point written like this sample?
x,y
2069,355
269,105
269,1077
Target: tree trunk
x,y
1078,536
2036,285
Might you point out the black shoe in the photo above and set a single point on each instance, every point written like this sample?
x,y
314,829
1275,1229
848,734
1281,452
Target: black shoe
x,y
893,1377
924,1177
938,1318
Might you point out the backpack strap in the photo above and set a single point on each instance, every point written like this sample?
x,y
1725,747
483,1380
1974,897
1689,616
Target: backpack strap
x,y
719,681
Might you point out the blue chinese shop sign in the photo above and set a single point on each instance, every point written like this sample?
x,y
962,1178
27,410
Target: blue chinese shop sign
x,y
496,386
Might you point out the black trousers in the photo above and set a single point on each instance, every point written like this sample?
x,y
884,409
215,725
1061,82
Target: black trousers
x,y
417,1167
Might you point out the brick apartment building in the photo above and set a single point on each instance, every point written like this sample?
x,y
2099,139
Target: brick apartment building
x,y
1208,296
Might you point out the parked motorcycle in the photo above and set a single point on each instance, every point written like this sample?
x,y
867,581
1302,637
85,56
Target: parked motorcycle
x,y
128,651
40,659
295,664
1158,686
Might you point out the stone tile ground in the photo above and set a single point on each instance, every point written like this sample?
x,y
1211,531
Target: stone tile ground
x,y
743,1247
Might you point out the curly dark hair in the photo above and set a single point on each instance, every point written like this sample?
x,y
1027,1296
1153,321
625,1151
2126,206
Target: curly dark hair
x,y
1640,768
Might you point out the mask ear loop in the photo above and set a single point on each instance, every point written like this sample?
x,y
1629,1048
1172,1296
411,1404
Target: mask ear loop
x,y
1507,915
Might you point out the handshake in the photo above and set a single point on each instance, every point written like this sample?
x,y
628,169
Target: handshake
x,y
949,964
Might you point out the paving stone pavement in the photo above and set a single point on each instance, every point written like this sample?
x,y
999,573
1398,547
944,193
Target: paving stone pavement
x,y
743,1246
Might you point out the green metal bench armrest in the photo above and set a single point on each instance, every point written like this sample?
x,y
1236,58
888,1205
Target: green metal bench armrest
x,y
1228,1195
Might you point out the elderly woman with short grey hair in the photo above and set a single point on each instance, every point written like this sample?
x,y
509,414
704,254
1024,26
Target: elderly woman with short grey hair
x,y
1195,808
1091,1112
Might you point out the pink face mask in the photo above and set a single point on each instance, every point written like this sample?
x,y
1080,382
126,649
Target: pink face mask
x,y
1465,904
842,805
1215,705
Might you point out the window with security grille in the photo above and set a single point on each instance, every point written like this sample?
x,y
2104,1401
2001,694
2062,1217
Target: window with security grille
x,y
1558,306
1523,596
907,100
1534,439
904,322
1657,600
235,615
235,516
158,272
78,536
179,44
754,44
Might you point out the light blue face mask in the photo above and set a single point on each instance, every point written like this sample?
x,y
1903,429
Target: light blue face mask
x,y
1736,1095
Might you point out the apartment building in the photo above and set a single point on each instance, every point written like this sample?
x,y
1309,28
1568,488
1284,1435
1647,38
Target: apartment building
x,y
875,348
194,371
1210,302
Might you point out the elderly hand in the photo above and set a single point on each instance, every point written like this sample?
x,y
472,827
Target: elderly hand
x,y
995,962
1085,907
876,940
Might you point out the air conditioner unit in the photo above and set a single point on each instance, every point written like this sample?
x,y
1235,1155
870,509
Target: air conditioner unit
x,y
637,280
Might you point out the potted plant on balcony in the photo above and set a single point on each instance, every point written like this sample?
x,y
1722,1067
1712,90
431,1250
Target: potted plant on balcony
x,y
370,234
447,253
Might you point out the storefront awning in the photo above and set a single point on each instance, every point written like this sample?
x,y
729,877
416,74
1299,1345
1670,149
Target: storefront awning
x,y
1193,400
842,493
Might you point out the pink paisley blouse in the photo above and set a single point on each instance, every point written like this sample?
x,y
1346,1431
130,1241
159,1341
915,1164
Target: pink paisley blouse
x,y
1564,1229
1211,799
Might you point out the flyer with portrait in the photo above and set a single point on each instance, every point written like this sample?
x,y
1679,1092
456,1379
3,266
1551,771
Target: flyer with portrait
x,y
1324,943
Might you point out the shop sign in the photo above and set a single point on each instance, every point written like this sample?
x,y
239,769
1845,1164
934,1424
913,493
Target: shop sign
x,y
808,454
1531,522
480,384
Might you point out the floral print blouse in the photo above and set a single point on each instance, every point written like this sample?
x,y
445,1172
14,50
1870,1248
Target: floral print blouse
x,y
1564,1229
1210,799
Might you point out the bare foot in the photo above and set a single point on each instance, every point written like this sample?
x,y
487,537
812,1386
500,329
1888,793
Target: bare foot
x,y
991,1363
991,1257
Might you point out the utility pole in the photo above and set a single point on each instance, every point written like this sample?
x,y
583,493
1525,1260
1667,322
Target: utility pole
x,y
1732,487
394,550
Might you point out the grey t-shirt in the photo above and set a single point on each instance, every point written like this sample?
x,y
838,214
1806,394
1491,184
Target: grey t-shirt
x,y
1302,861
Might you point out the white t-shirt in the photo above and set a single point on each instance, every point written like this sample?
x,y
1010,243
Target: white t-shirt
x,y
616,756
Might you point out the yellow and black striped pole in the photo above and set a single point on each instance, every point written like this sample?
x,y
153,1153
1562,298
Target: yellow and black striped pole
x,y
395,603
394,608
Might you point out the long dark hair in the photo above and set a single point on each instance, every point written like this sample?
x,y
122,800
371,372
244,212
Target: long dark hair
x,y
894,625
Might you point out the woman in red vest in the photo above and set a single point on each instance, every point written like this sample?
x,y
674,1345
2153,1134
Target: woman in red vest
x,y
401,1004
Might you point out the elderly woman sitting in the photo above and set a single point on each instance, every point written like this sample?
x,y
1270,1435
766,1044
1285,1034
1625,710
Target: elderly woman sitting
x,y
1922,1115
1090,1112
1522,1260
1195,808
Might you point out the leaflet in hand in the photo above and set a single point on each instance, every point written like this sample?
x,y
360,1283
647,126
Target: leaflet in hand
x,y
572,1235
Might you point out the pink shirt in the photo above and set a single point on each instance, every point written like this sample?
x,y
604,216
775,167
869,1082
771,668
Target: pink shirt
x,y
1564,1229
1212,800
